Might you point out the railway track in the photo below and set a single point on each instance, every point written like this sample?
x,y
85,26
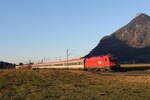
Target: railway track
x,y
130,73
130,70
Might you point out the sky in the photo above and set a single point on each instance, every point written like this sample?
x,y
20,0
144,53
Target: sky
x,y
31,30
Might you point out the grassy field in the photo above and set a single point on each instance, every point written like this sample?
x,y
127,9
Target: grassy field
x,y
71,85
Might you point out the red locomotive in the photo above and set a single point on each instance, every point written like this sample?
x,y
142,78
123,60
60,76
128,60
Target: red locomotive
x,y
107,62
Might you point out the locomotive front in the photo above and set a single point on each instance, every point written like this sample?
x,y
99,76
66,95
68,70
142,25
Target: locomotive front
x,y
113,62
107,62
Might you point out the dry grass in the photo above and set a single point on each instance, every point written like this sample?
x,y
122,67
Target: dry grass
x,y
131,79
71,85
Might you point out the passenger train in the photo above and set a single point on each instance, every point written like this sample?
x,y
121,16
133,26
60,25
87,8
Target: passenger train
x,y
106,62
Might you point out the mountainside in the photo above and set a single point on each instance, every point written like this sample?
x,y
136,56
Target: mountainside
x,y
131,43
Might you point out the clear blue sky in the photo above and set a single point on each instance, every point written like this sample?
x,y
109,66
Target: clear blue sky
x,y
34,29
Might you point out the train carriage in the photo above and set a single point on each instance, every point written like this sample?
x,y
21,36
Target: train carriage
x,y
70,64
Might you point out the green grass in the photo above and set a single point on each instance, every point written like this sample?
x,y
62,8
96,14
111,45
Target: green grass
x,y
67,85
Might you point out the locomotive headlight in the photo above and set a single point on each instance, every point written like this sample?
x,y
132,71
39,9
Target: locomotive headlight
x,y
99,62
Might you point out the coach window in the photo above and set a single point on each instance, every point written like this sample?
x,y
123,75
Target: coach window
x,y
105,59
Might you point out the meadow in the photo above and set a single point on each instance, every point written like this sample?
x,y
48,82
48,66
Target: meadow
x,y
71,85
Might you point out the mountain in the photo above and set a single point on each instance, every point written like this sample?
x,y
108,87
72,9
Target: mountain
x,y
131,43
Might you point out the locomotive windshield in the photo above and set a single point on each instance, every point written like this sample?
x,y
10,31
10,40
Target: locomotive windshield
x,y
113,59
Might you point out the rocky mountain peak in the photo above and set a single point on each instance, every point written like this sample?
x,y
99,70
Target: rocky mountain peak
x,y
131,42
136,33
141,15
140,19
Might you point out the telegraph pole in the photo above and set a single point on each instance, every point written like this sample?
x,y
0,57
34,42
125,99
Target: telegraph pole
x,y
42,61
67,56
